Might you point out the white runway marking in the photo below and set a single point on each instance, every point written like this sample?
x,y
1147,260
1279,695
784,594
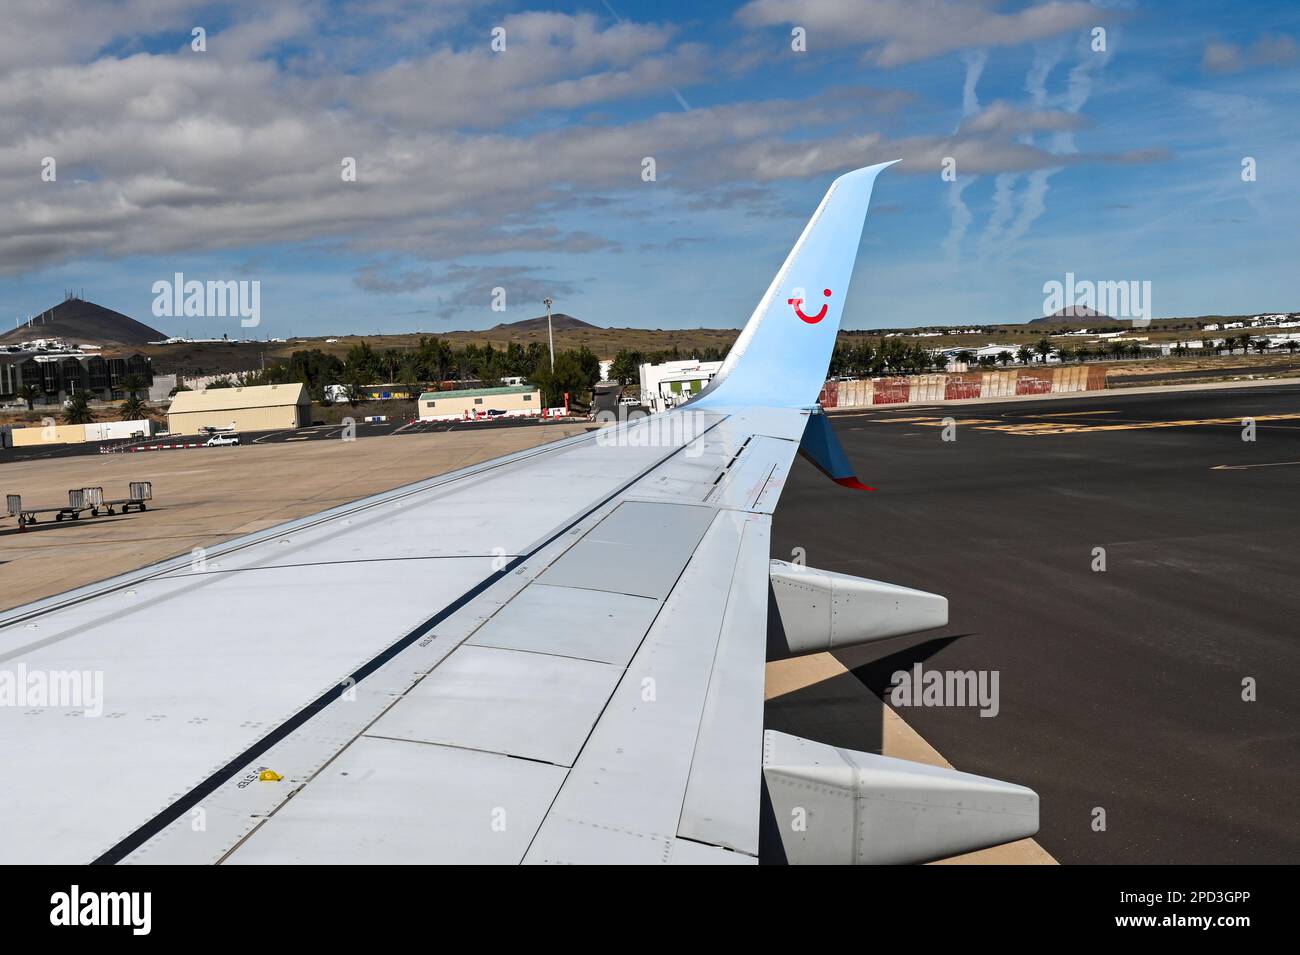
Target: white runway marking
x,y
1245,467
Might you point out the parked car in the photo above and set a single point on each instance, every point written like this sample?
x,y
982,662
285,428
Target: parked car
x,y
217,440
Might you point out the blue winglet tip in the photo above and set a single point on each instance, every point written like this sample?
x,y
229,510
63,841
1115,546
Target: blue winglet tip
x,y
822,447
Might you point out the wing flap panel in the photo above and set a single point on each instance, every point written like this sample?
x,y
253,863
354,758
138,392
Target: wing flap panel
x,y
724,785
395,802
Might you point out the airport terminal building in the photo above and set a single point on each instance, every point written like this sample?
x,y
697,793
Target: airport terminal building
x,y
56,375
254,408
671,383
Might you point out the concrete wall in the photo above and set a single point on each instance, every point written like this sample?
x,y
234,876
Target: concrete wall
x,y
77,433
198,382
890,391
965,385
53,434
927,387
855,393
161,389
1034,380
110,430
1070,379
998,384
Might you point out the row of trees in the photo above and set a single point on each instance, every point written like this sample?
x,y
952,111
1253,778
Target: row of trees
x,y
884,356
1245,343
432,361
1231,344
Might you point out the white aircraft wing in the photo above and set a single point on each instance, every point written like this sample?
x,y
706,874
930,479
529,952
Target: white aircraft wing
x,y
555,656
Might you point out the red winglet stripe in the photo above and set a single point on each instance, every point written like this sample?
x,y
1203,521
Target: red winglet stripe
x,y
852,482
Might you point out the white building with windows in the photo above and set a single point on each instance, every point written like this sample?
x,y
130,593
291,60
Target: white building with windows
x,y
673,382
994,352
510,401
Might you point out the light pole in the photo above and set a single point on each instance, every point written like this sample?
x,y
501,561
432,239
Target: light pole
x,y
550,335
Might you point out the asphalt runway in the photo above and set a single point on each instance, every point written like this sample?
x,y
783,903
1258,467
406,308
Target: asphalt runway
x,y
1121,689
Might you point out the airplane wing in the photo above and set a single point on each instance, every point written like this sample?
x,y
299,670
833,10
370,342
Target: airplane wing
x,y
555,656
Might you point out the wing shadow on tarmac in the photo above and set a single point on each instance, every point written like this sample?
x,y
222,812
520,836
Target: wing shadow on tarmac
x,y
845,710
877,675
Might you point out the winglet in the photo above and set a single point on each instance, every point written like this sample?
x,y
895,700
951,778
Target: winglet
x,y
866,809
822,447
781,356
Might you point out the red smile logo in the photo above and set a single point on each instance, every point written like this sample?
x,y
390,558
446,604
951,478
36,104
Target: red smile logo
x,y
810,319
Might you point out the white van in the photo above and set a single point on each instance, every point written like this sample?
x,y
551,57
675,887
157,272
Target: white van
x,y
217,440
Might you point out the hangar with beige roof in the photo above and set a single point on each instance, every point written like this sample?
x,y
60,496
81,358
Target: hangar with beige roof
x,y
252,408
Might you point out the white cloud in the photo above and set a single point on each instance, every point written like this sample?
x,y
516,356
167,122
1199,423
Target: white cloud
x,y
902,31
1002,117
171,152
1268,50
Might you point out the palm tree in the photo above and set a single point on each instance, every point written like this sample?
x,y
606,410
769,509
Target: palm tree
x,y
29,394
133,384
77,410
1025,354
625,367
409,373
133,409
1291,346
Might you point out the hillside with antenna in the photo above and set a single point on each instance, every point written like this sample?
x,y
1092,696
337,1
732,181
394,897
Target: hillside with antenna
x,y
84,323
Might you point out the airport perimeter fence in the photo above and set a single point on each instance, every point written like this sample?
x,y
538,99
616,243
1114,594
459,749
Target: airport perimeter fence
x,y
970,384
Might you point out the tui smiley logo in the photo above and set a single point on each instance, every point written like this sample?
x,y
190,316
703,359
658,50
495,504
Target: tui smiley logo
x,y
810,319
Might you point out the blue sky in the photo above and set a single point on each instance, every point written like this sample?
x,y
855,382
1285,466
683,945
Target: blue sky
x,y
521,168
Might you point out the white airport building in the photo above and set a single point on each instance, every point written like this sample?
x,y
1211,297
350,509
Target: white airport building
x,y
509,401
669,384
994,352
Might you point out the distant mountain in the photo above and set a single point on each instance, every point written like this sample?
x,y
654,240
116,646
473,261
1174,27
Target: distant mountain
x,y
1072,313
82,322
559,322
